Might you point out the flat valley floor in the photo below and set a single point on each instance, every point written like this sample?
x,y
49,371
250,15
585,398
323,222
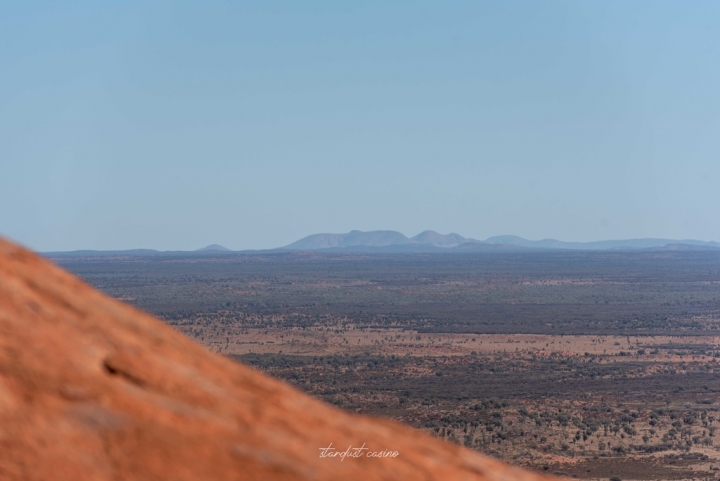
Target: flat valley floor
x,y
593,365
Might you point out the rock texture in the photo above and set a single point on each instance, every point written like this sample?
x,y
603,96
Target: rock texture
x,y
92,389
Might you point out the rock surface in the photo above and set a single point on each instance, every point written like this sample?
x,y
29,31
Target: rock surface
x,y
92,389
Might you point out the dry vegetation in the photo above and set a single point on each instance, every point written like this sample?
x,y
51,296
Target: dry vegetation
x,y
593,365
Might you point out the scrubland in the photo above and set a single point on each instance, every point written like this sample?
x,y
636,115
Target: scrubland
x,y
590,365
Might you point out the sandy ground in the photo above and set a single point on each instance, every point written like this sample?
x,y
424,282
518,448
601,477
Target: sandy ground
x,y
326,341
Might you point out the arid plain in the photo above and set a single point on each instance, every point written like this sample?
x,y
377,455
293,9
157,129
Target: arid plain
x,y
595,365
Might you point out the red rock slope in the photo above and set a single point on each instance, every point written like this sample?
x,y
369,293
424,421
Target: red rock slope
x,y
92,389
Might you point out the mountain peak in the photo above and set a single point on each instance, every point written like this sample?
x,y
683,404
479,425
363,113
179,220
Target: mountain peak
x,y
354,238
214,247
432,238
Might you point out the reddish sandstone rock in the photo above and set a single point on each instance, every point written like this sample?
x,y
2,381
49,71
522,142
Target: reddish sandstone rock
x,y
92,389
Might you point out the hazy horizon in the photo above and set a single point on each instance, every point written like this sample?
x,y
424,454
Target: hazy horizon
x,y
172,127
409,236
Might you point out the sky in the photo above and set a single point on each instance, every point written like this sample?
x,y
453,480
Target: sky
x,y
173,125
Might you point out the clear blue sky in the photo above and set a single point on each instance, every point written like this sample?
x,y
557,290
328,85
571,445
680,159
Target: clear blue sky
x,y
172,125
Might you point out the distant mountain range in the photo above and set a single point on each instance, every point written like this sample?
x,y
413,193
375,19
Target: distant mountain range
x,y
388,241
431,239
377,238
647,243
